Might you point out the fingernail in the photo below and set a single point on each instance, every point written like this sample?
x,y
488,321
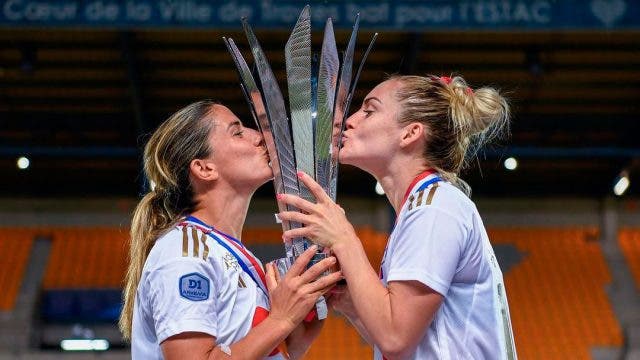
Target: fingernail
x,y
300,174
332,260
279,196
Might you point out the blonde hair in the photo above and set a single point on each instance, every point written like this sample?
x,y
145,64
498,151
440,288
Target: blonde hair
x,y
459,120
167,156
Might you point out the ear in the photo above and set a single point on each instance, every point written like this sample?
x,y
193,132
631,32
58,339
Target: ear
x,y
412,134
203,169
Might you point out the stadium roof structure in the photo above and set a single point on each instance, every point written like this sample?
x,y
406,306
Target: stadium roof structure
x,y
80,102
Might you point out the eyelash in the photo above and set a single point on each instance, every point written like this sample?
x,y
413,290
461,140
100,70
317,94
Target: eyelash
x,y
239,133
367,112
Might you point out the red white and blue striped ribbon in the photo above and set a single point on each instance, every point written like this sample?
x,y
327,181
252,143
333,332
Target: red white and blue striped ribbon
x,y
247,261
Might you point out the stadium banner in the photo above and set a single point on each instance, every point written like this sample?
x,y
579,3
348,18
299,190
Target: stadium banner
x,y
400,15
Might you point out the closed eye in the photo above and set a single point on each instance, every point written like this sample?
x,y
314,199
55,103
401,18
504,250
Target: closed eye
x,y
236,128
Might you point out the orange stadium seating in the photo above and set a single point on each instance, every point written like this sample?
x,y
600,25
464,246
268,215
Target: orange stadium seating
x,y
97,257
87,258
559,309
339,340
629,240
15,246
262,235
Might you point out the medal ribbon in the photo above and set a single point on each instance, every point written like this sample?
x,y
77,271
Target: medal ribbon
x,y
246,260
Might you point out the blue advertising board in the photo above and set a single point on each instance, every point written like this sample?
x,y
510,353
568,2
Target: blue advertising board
x,y
401,15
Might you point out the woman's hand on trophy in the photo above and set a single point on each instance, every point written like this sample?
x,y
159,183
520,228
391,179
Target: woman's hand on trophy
x,y
295,294
324,222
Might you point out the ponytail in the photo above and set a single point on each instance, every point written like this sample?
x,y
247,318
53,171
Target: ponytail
x,y
149,219
167,157
460,120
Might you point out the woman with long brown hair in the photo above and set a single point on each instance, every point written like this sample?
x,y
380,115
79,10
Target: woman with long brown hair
x,y
193,291
439,292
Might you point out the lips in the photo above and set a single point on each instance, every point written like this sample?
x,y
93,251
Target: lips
x,y
344,140
266,156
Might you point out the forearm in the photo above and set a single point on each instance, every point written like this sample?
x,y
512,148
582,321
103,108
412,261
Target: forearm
x,y
257,344
355,321
371,299
260,340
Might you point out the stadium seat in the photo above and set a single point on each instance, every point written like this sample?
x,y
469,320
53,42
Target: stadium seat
x,y
339,340
559,308
15,246
87,258
84,276
629,241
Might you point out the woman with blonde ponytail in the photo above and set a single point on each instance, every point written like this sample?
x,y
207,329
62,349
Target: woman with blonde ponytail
x,y
439,293
192,290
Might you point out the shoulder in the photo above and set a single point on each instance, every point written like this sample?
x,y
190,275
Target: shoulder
x,y
440,206
181,256
181,243
440,197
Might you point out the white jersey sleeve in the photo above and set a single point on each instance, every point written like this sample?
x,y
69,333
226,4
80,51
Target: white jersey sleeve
x,y
427,247
182,297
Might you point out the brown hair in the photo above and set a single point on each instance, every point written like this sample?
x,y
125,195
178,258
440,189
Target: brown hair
x,y
167,156
459,120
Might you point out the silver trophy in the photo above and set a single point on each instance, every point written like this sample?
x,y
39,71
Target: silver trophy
x,y
309,139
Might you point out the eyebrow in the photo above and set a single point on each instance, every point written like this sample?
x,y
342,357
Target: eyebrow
x,y
369,99
235,123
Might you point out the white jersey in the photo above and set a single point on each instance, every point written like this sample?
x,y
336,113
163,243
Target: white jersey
x,y
440,241
191,282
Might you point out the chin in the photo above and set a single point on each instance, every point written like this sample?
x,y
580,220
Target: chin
x,y
358,162
268,175
346,158
343,156
257,183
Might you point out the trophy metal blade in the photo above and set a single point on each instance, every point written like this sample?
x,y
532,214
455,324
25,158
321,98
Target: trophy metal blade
x,y
355,80
258,111
247,82
327,80
340,108
276,113
256,106
297,53
313,140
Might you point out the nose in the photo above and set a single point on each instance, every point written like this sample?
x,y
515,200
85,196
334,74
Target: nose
x,y
258,140
351,121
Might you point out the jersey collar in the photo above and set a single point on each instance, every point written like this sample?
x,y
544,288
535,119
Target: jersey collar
x,y
415,181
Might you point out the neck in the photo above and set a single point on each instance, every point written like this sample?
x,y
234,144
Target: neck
x,y
224,210
396,180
